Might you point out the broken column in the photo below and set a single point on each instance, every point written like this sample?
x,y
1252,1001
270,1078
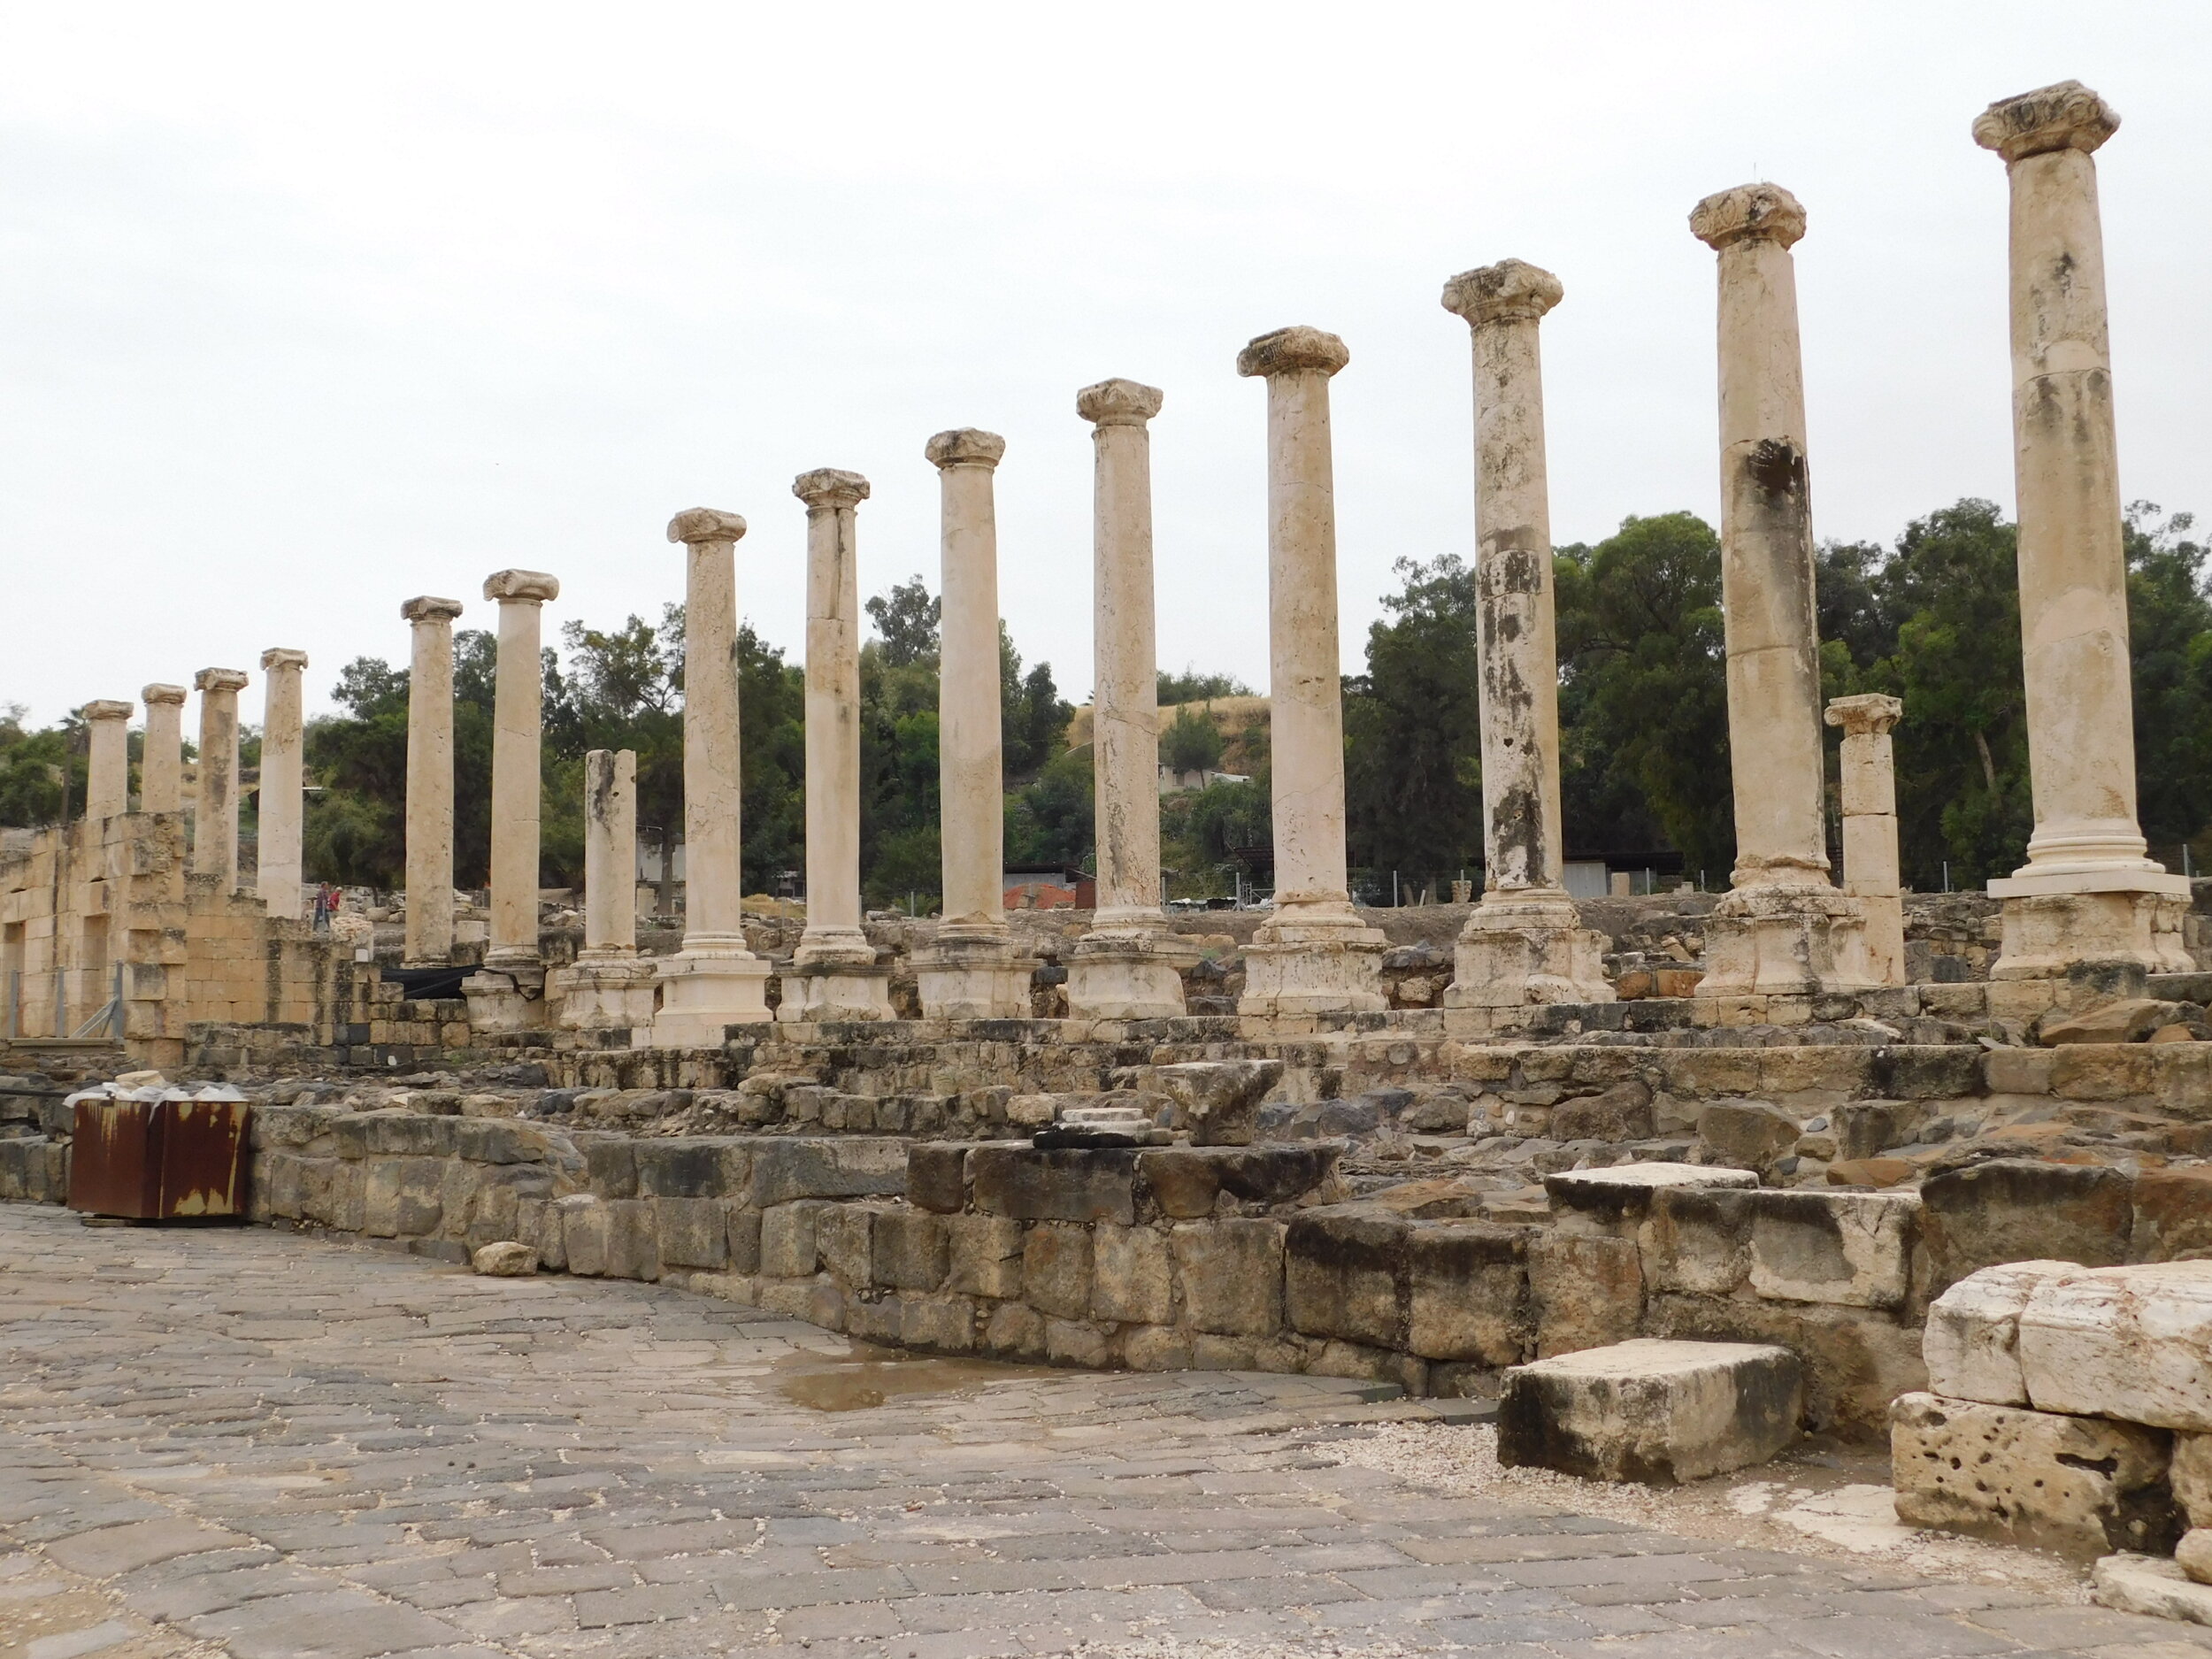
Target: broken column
x,y
283,798
508,992
972,970
1525,942
2088,892
215,809
834,974
1784,929
610,986
429,780
108,759
1128,966
714,981
1312,955
161,763
1870,827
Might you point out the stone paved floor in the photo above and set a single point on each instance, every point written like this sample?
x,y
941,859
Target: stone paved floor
x,y
239,1442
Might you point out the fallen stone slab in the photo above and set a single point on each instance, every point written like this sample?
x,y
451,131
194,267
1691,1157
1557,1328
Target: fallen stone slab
x,y
504,1260
2152,1586
2133,1343
1972,1339
2194,1553
1650,1410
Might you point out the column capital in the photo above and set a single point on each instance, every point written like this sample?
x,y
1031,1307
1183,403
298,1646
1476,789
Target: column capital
x,y
159,693
108,709
827,488
1511,291
220,679
965,446
1868,714
425,607
2068,116
530,587
1119,402
277,657
1750,212
1289,350
699,525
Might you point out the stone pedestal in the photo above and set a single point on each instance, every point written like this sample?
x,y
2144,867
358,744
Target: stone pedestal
x,y
836,990
215,806
429,941
283,799
714,982
1870,872
2088,892
161,763
108,759
1784,930
1314,954
1136,975
1524,943
611,987
508,994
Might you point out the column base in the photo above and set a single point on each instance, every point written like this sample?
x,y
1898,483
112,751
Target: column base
x,y
1136,975
508,996
1318,959
2058,920
1525,949
835,990
1786,939
613,991
973,977
704,991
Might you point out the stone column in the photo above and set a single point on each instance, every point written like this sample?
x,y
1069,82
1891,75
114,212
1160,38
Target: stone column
x,y
2088,892
161,765
1129,965
283,780
834,974
108,763
1313,955
713,981
429,780
610,986
509,992
1784,930
972,970
1525,942
1870,827
215,806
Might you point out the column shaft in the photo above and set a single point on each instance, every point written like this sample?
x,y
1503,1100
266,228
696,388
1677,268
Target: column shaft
x,y
1868,777
283,779
832,721
518,725
970,764
714,883
215,815
1125,723
108,760
430,779
610,851
161,764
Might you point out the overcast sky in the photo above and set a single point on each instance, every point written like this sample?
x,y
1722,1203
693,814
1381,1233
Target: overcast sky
x,y
307,310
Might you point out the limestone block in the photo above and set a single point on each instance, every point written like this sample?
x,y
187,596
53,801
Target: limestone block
x,y
633,1240
1651,1410
1855,1249
1621,1113
789,1245
944,1324
693,1233
1056,1270
1216,1099
1156,1347
1232,1272
1696,1240
2192,1477
910,1249
1070,1184
1972,1339
1070,1342
985,1256
1015,1330
1469,1294
2079,1485
1588,1291
840,1166
2021,1210
2133,1343
936,1176
2129,1019
690,1167
584,1233
2104,1072
817,1301
845,1234
743,1224
611,1161
1616,1200
1131,1279
2193,1554
2173,1214
1343,1274
505,1259
2151,1587
1747,1134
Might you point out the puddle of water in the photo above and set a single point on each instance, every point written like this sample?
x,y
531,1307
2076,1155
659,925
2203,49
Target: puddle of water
x,y
869,1376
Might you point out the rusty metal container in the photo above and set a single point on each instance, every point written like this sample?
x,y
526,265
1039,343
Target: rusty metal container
x,y
156,1160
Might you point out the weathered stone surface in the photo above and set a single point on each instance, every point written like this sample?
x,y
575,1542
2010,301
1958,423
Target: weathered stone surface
x,y
1697,1239
1651,1410
2079,1485
693,1233
1344,1273
1216,1099
1972,1341
1746,1134
1056,1270
936,1176
843,1166
1182,1181
2193,1554
1072,1184
1588,1290
584,1233
1854,1248
1468,1298
1621,1113
633,1240
2153,1587
744,1228
789,1245
1132,1282
2130,1019
2173,1215
1232,1272
912,1250
1857,1360
1617,1199
506,1259
846,1236
1015,1330
985,1256
2192,1477
691,1168
2020,1210
2133,1343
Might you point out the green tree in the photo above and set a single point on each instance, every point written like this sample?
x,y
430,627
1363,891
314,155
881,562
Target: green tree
x,y
1032,716
1192,742
1190,686
906,620
2170,632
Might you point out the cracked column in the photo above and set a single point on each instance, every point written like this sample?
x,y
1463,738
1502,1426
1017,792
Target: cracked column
x,y
1128,966
161,763
610,988
1783,930
2088,892
429,780
1313,955
714,981
1525,942
1869,780
972,970
834,973
108,758
283,798
508,992
215,804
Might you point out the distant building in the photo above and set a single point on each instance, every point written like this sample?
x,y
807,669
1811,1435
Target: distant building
x,y
1042,886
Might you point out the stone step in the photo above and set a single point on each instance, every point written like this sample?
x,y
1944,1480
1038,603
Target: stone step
x,y
1651,1410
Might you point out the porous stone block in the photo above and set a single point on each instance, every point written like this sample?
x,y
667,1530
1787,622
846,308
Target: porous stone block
x,y
945,1324
1056,1270
985,1256
936,1176
1616,1200
2193,1554
1854,1248
1651,1410
1070,1184
1232,1273
693,1233
2151,1587
1468,1292
2022,1209
2079,1485
1132,1281
1697,1240
504,1259
1015,1330
1344,1274
910,1248
2133,1343
1156,1347
1971,1341
1588,1290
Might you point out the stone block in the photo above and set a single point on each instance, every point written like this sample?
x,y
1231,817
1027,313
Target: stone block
x,y
1697,1240
2153,1587
1857,1360
910,1249
1746,1134
1056,1270
2103,1071
2173,1215
633,1240
691,1167
1972,1341
817,1301
2129,1019
1132,1282
1156,1347
1616,1200
379,1197
584,1233
2133,1343
1232,1274
2020,1210
1069,1342
1588,1290
936,1176
2078,1485
985,1256
944,1324
2017,1070
840,1166
1468,1292
743,1224
1650,1410
506,1259
2193,1554
1925,1071
693,1233
1344,1275
1182,1182
1622,1113
790,1246
2191,1476
1015,1330
1071,1184
1216,1100
845,1235
1853,1248
612,1161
